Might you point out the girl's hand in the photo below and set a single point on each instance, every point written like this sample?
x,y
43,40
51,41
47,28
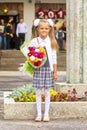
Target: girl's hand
x,y
55,76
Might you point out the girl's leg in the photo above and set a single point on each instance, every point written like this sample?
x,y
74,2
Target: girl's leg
x,y
47,104
38,104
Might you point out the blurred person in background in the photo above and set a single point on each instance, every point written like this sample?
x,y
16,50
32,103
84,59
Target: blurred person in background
x,y
64,32
3,34
9,34
21,30
59,37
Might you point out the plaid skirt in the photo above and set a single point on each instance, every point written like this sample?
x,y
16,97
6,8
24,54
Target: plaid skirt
x,y
43,78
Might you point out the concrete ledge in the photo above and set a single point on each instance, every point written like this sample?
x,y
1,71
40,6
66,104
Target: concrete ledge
x,y
27,110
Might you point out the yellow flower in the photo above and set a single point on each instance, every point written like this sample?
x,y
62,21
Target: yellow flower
x,y
11,35
42,50
28,59
53,92
7,33
15,97
36,59
8,24
24,93
21,99
28,99
32,97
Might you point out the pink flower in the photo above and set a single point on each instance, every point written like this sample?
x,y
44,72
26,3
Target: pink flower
x,y
41,55
33,47
35,54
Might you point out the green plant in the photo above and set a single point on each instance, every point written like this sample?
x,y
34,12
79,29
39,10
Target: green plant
x,y
28,94
22,93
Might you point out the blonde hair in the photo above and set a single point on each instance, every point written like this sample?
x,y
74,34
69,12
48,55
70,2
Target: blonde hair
x,y
35,34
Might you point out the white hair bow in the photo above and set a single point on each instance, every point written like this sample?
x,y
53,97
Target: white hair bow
x,y
50,22
37,21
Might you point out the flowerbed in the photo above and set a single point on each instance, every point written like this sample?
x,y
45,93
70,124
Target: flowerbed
x,y
28,94
26,110
63,105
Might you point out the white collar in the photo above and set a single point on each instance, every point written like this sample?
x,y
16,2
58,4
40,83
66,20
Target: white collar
x,y
43,40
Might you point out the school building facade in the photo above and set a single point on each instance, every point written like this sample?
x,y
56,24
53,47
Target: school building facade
x,y
28,9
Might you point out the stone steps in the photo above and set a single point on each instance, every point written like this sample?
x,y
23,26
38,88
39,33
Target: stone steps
x,y
9,53
11,60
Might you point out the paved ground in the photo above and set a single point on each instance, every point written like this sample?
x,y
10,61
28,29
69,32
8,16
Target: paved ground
x,y
11,80
72,124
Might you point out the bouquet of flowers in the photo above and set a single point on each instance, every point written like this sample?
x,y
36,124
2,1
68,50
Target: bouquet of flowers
x,y
35,55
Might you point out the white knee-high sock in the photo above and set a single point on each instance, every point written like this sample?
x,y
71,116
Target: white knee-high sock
x,y
38,101
47,101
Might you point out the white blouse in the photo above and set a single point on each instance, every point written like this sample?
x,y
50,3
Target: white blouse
x,y
21,28
52,57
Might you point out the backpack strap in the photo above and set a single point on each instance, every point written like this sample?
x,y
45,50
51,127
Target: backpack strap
x,y
38,41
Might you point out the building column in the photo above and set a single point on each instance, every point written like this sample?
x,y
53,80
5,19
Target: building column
x,y
85,42
76,41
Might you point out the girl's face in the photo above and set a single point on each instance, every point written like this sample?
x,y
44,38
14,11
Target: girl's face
x,y
43,30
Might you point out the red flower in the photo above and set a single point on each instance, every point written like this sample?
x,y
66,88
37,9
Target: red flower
x,y
32,51
29,54
31,48
37,63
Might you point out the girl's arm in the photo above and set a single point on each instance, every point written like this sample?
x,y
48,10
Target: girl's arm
x,y
54,58
55,71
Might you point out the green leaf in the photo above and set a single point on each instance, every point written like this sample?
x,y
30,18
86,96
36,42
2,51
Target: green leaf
x,y
18,91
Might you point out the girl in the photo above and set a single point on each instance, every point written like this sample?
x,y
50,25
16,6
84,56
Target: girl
x,y
45,76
